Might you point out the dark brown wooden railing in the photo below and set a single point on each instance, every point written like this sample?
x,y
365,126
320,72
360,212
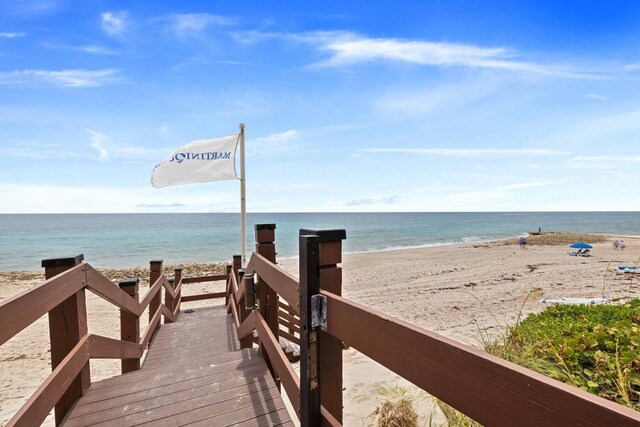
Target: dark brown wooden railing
x,y
488,389
62,296
267,302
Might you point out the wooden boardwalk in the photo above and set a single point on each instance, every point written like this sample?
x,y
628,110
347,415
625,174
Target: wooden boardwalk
x,y
194,374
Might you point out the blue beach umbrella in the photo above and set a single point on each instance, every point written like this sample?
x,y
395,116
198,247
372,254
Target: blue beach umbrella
x,y
581,245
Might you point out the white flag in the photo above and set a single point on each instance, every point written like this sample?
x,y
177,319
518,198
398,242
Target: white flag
x,y
203,160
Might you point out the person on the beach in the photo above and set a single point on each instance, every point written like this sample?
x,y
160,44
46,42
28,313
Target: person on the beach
x,y
616,244
523,243
622,245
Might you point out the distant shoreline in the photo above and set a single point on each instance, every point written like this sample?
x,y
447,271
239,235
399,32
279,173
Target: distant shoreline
x,y
127,240
479,243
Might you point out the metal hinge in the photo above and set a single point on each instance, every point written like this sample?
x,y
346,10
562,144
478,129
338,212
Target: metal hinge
x,y
319,311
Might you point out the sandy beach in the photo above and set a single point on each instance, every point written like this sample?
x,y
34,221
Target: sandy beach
x,y
453,290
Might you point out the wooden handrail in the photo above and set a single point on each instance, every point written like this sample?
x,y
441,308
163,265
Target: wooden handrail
x,y
103,287
51,390
211,295
176,310
248,326
153,290
234,310
488,389
168,314
21,310
151,329
108,348
279,361
281,281
168,288
212,278
327,419
238,292
286,335
285,308
292,326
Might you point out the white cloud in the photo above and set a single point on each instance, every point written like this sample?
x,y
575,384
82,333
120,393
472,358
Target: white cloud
x,y
97,50
107,149
346,48
114,23
524,185
621,129
419,101
61,78
470,152
97,141
275,144
160,205
183,24
32,198
11,35
390,200
92,49
352,49
605,162
35,150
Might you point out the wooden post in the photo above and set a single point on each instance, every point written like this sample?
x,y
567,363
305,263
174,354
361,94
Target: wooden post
x,y
243,313
267,297
177,278
310,339
330,348
226,297
130,324
168,299
237,264
155,267
67,325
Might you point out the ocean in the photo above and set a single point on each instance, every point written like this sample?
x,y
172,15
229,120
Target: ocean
x,y
126,240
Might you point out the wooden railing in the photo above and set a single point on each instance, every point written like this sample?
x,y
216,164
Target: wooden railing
x,y
490,390
62,297
487,389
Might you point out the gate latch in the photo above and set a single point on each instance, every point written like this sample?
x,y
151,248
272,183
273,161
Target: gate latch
x,y
319,311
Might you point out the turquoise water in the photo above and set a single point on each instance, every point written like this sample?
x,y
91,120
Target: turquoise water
x,y
125,240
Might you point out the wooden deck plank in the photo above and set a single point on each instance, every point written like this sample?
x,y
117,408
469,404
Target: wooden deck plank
x,y
191,337
177,335
194,372
167,405
213,340
213,415
159,377
217,382
280,417
191,349
183,356
195,322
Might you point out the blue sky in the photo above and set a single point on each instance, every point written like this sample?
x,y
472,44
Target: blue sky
x,y
349,106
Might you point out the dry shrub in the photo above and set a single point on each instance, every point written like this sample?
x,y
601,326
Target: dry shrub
x,y
396,413
455,418
394,406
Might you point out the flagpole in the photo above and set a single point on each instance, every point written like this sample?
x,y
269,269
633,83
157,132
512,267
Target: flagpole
x,y
243,199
